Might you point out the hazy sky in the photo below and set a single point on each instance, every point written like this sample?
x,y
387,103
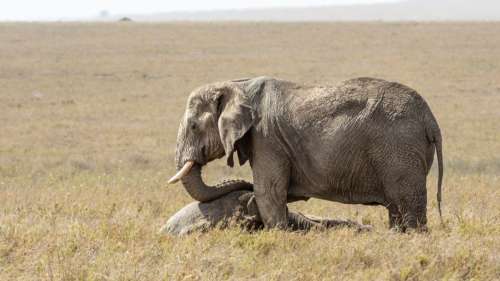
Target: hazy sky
x,y
81,9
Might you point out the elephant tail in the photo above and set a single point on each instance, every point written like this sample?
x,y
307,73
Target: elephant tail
x,y
434,136
439,152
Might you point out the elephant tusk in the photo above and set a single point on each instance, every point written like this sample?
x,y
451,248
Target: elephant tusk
x,y
182,172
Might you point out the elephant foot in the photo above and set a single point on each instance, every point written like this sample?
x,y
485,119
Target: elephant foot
x,y
406,223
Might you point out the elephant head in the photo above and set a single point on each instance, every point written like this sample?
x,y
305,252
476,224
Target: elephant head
x,y
214,125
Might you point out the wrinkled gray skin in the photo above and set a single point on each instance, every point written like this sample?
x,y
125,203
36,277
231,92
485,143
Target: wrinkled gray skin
x,y
366,141
239,208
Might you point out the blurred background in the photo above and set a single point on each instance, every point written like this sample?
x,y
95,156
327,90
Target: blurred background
x,y
252,10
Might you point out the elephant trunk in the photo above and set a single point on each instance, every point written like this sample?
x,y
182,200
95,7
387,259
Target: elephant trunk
x,y
202,192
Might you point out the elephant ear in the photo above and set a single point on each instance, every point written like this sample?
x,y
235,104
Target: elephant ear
x,y
235,120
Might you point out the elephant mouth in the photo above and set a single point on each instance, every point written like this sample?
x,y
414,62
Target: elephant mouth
x,y
209,155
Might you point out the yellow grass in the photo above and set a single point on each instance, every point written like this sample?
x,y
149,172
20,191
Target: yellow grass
x,y
88,121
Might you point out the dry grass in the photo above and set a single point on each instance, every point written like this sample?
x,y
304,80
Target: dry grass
x,y
89,115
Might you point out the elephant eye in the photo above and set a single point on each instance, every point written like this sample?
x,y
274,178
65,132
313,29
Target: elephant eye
x,y
193,125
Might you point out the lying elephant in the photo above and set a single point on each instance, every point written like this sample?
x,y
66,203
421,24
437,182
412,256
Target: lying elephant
x,y
239,207
366,141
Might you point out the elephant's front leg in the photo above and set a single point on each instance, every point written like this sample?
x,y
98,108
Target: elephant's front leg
x,y
271,175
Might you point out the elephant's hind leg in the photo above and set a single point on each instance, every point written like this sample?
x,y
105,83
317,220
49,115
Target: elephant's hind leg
x,y
395,217
407,196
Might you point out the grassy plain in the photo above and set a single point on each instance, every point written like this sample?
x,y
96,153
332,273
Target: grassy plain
x,y
88,122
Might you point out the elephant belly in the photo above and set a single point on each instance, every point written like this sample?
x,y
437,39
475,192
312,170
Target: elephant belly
x,y
341,195
350,180
354,197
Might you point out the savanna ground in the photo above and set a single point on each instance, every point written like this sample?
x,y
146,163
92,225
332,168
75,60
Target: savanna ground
x,y
88,123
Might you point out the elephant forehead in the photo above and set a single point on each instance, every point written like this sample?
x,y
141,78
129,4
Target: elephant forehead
x,y
198,105
194,103
203,92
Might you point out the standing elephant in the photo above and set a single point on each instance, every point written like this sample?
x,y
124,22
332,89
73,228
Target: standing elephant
x,y
366,141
